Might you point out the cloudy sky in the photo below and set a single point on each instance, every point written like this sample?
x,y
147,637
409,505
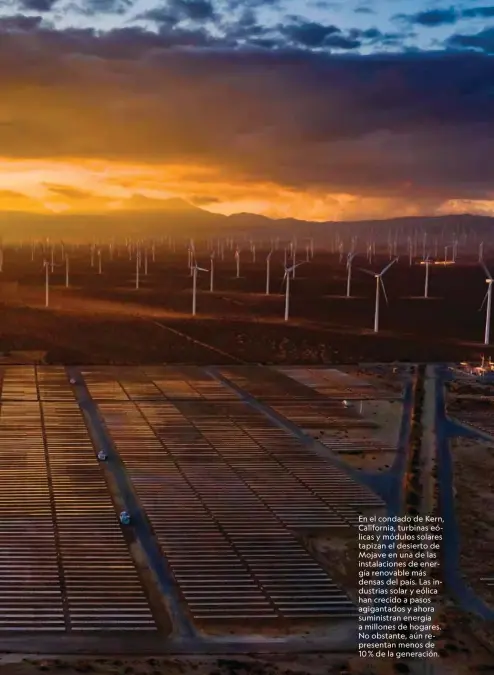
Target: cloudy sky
x,y
313,109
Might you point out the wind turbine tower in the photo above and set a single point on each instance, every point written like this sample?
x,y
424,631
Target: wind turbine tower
x,y
427,263
349,261
211,278
488,298
195,269
286,279
47,282
237,258
268,263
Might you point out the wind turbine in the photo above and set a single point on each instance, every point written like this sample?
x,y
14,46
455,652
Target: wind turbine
x,y
488,297
138,264
47,282
350,258
286,279
379,284
211,278
426,262
66,271
237,258
195,269
268,262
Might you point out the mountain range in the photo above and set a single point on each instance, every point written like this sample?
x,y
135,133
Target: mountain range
x,y
178,217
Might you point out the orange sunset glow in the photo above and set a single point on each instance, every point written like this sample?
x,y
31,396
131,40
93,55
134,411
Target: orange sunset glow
x,y
78,186
123,118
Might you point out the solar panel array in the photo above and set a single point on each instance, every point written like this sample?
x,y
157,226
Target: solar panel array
x,y
230,554
103,589
223,508
227,492
64,564
267,383
30,576
153,383
336,383
312,415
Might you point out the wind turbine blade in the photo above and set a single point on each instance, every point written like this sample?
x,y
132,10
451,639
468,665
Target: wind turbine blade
x,y
487,273
361,269
384,290
388,266
484,301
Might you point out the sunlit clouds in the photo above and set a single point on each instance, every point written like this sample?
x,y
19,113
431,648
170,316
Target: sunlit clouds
x,y
97,122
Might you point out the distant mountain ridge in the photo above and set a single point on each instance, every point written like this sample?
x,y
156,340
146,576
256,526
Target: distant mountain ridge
x,y
148,218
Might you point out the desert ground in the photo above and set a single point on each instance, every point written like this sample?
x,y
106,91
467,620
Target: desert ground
x,y
315,664
474,496
103,318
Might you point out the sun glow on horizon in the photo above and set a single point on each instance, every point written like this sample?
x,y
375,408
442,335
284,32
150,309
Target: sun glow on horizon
x,y
78,186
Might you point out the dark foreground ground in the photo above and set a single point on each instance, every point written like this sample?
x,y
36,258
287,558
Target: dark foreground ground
x,y
102,318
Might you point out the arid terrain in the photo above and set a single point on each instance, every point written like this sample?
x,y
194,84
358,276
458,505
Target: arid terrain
x,y
474,498
103,318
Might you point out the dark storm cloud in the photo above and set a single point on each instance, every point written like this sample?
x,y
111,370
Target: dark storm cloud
x,y
316,35
252,4
365,125
93,7
308,33
247,27
341,42
20,23
174,11
484,41
161,15
447,16
431,17
197,10
37,5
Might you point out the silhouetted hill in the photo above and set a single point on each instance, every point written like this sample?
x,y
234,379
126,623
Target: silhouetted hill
x,y
147,218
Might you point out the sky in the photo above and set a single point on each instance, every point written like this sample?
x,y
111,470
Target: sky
x,y
317,110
